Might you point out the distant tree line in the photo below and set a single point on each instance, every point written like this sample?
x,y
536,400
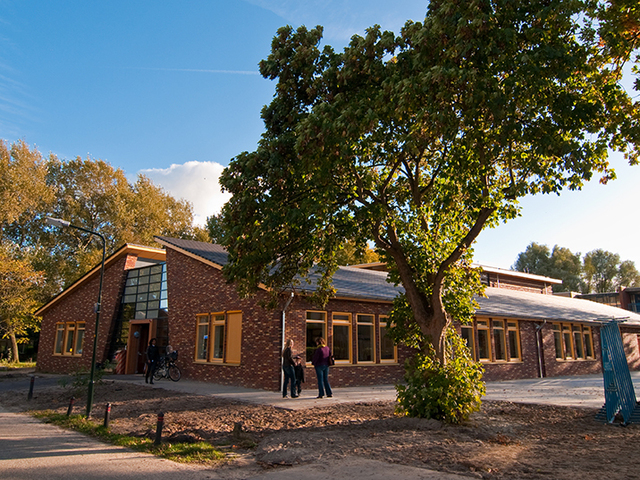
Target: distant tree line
x,y
38,261
599,271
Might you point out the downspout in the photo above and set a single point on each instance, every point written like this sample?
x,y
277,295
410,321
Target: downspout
x,y
538,341
284,314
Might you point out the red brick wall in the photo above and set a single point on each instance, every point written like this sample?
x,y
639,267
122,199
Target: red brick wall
x,y
630,340
527,368
195,287
78,306
558,368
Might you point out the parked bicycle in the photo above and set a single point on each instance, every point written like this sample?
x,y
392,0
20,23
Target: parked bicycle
x,y
167,367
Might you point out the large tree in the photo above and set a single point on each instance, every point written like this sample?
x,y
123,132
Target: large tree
x,y
419,141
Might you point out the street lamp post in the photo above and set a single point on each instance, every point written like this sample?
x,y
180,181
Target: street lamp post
x,y
56,222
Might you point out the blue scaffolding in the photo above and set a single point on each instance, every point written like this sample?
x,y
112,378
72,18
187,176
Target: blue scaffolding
x,y
619,394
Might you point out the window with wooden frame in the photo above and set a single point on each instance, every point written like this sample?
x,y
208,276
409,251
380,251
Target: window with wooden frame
x,y
341,326
388,350
573,341
499,340
466,332
69,338
484,341
366,338
513,337
316,327
202,339
219,337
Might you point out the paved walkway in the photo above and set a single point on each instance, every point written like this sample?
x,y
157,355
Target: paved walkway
x,y
580,391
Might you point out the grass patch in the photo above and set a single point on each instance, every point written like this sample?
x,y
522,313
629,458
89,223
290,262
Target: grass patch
x,y
200,452
6,364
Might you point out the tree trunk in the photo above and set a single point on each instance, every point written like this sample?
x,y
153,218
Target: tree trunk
x,y
14,349
428,312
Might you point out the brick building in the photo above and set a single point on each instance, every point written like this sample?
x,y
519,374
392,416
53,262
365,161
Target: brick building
x,y
179,296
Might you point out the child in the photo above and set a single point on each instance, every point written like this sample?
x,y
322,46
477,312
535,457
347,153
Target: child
x,y
299,369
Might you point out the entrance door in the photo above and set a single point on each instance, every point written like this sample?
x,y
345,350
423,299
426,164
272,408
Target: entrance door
x,y
137,347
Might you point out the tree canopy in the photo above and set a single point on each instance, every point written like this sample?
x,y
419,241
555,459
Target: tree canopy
x,y
418,141
599,271
89,193
561,263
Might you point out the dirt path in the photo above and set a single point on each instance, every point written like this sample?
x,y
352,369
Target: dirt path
x,y
504,440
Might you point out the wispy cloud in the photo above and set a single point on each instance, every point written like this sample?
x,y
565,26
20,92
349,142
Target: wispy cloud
x,y
194,181
342,19
196,70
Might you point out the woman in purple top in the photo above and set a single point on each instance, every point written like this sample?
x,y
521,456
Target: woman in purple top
x,y
320,360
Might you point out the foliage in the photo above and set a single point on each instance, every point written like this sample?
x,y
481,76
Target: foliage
x,y
419,141
561,263
89,193
352,254
19,284
199,452
599,271
92,194
449,392
628,275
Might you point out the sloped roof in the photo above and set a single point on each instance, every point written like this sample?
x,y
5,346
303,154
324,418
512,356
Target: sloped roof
x,y
502,302
363,284
211,252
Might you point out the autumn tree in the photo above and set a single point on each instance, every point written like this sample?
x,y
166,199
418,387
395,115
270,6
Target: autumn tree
x,y
24,192
417,142
91,193
19,283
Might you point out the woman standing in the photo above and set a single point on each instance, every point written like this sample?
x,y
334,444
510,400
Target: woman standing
x,y
320,360
288,364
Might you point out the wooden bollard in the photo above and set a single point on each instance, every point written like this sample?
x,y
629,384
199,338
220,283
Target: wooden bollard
x,y
107,414
72,400
30,395
159,426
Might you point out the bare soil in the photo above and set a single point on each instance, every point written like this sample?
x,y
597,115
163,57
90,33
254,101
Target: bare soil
x,y
503,441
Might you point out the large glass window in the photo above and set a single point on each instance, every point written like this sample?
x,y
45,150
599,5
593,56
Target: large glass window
x,y
366,341
316,328
342,337
69,338
388,351
146,292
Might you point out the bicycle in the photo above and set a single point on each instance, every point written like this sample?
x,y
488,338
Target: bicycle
x,y
167,368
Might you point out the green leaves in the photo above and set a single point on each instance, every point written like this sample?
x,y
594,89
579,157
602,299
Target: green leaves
x,y
418,141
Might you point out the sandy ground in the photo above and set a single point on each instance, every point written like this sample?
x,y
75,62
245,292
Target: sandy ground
x,y
503,440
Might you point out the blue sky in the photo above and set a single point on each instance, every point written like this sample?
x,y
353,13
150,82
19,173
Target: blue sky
x,y
171,89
